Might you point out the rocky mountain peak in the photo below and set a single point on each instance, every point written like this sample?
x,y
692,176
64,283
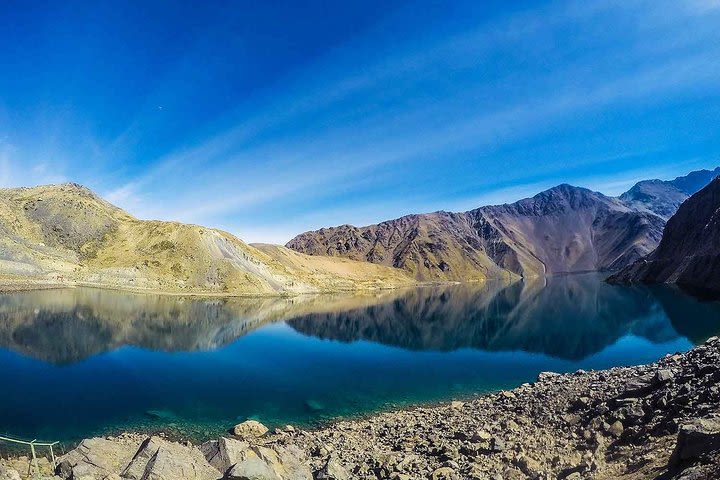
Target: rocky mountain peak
x,y
663,197
694,181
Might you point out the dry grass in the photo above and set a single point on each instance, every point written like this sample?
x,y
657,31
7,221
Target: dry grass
x,y
65,234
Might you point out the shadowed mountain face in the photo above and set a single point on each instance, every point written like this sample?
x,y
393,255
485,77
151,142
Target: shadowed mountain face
x,y
689,253
564,229
665,197
569,317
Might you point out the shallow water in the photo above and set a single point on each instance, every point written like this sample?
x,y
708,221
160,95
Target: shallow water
x,y
81,362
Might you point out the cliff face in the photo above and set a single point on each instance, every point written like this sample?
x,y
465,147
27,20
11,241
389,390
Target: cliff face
x,y
564,229
689,252
67,234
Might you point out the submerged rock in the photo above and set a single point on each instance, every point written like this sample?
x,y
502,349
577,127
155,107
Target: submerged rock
x,y
314,405
160,414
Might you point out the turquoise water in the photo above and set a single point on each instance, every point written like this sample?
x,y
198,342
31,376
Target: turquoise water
x,y
81,362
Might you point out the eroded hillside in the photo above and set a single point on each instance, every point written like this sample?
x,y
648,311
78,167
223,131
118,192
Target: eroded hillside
x,y
67,234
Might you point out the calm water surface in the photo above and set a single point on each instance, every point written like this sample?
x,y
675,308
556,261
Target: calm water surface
x,y
81,362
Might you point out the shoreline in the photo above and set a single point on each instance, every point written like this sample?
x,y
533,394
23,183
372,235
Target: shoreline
x,y
10,285
660,420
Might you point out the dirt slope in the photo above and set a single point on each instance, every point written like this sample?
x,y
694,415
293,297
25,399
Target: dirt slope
x,y
67,234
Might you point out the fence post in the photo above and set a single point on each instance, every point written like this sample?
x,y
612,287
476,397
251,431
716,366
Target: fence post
x,y
32,444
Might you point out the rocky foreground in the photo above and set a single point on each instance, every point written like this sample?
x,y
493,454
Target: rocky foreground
x,y
658,421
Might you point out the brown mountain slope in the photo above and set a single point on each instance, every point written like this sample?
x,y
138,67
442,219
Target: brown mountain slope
x,y
564,229
67,234
689,252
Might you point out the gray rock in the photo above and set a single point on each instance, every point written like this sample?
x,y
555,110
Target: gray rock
x,y
96,457
696,439
444,473
616,429
543,376
333,470
289,463
252,468
158,459
223,453
664,376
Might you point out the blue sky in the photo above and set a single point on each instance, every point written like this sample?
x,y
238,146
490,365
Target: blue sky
x,y
270,118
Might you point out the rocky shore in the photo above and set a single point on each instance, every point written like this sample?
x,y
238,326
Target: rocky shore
x,y
657,421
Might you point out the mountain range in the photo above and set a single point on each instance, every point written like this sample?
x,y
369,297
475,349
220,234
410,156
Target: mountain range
x,y
67,235
564,229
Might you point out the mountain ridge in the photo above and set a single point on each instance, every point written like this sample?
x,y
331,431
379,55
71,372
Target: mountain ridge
x,y
664,197
563,229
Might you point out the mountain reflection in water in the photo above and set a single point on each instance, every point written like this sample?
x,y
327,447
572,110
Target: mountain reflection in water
x,y
107,361
569,317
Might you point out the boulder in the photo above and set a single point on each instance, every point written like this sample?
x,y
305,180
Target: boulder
x,y
285,463
251,468
616,429
664,376
223,453
288,463
332,470
96,457
543,376
249,429
697,439
7,473
159,459
639,386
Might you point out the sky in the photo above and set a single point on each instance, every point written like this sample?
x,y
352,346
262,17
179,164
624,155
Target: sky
x,y
267,119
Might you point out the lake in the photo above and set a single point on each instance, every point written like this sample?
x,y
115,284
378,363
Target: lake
x,y
81,362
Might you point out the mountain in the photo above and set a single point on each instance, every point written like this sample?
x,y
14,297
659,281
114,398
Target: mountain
x,y
563,229
663,197
66,234
689,252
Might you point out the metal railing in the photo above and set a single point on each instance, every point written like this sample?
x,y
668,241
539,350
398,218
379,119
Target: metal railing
x,y
32,444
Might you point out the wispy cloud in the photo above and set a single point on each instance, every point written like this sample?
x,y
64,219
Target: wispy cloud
x,y
450,113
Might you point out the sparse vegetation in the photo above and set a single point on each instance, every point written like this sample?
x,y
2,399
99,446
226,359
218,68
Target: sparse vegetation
x,y
68,234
